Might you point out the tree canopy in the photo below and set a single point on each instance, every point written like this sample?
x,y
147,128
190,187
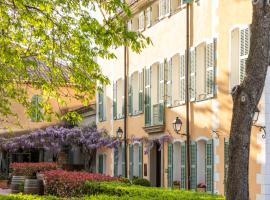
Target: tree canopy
x,y
49,45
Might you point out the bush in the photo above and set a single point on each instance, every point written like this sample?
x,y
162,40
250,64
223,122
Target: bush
x,y
124,191
66,183
141,181
31,169
26,197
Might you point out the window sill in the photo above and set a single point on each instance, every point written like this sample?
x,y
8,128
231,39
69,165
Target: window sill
x,y
136,114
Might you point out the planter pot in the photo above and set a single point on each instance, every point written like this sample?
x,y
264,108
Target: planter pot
x,y
32,186
40,177
4,184
176,187
17,183
200,189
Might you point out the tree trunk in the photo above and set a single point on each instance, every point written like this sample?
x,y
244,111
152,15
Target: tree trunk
x,y
245,99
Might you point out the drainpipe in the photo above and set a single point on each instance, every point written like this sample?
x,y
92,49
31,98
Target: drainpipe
x,y
187,100
125,105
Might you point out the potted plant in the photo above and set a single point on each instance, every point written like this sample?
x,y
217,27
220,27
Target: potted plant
x,y
201,187
176,184
3,181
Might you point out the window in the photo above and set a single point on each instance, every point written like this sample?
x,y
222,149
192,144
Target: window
x,y
210,68
164,8
102,164
118,99
101,105
141,21
129,25
135,93
148,17
37,109
200,71
168,72
240,42
182,87
192,79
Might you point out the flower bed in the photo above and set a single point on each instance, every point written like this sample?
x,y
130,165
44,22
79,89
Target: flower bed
x,y
65,183
30,169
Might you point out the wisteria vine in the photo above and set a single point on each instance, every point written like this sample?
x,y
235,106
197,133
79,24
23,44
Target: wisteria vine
x,y
53,138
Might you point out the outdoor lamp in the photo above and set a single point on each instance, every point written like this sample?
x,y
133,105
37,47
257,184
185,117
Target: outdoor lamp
x,y
256,115
177,124
119,133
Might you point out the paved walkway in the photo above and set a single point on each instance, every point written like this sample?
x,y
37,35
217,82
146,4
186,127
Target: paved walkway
x,y
5,191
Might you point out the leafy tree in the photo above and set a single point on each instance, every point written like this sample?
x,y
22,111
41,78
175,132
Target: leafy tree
x,y
246,97
52,45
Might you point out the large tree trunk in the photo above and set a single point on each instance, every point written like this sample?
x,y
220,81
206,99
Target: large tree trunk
x,y
245,99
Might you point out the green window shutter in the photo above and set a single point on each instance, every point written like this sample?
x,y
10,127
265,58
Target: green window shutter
x,y
100,164
147,106
209,162
141,160
114,101
130,96
210,67
192,80
193,165
141,78
115,161
161,81
37,110
161,113
131,160
123,98
123,161
182,78
226,162
244,51
170,165
168,73
100,106
183,165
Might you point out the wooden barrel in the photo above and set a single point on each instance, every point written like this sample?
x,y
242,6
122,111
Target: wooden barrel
x,y
32,186
17,184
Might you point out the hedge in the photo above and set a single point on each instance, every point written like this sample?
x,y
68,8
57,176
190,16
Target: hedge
x,y
139,192
67,184
30,169
26,197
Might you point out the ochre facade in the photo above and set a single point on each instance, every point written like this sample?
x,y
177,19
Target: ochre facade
x,y
211,22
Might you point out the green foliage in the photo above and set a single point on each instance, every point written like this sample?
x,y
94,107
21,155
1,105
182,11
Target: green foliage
x,y
26,197
125,191
140,181
53,44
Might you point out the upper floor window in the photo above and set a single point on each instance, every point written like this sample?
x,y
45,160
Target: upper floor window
x,y
135,93
240,42
37,109
164,8
118,99
101,104
141,21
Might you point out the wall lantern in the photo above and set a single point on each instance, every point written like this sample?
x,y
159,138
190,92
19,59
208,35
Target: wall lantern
x,y
119,133
177,124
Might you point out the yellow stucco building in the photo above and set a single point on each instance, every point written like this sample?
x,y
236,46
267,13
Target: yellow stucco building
x,y
219,46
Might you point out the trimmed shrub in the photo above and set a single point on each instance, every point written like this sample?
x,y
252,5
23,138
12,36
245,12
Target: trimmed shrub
x,y
26,197
66,183
139,192
141,181
31,169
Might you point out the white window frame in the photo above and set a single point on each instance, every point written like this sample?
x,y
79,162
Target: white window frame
x,y
148,15
141,21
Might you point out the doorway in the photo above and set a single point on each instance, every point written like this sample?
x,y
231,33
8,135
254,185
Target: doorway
x,y
155,165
